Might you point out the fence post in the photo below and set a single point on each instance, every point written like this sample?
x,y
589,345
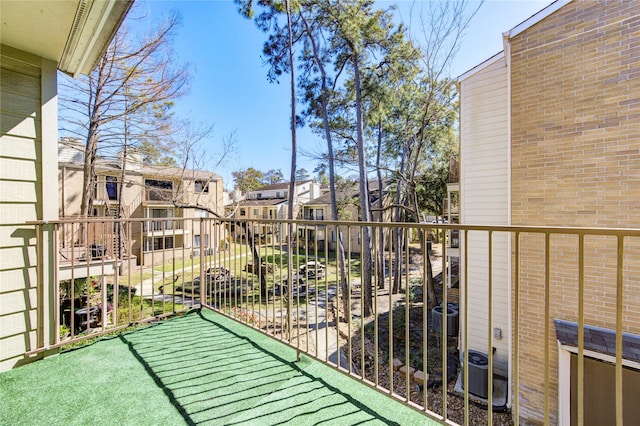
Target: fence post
x,y
202,274
46,259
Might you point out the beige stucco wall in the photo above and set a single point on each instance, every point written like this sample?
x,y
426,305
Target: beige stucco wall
x,y
484,196
575,161
28,135
137,206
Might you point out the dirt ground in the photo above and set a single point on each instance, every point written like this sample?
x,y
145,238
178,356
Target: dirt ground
x,y
369,365
366,362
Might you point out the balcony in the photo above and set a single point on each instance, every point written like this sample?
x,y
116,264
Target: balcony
x,y
158,226
313,216
532,311
208,369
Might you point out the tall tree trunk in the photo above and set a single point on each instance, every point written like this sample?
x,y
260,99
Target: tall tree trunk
x,y
399,217
432,298
380,253
120,223
292,180
93,137
257,260
365,247
120,216
89,172
342,270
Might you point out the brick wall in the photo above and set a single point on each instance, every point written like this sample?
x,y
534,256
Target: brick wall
x,y
575,79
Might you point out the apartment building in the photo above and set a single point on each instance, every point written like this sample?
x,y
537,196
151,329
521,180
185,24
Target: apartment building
x,y
319,209
550,138
171,198
271,202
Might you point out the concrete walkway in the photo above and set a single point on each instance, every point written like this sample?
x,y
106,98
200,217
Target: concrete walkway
x,y
324,333
147,290
313,314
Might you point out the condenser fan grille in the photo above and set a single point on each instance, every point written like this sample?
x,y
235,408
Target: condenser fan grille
x,y
478,359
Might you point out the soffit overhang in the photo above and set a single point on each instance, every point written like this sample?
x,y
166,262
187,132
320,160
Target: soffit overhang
x,y
72,33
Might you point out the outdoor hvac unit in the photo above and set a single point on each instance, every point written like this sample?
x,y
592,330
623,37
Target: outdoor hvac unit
x,y
478,374
452,320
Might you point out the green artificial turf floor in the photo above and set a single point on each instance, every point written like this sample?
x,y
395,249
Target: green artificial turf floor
x,y
201,368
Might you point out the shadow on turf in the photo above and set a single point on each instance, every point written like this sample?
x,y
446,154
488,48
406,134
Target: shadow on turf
x,y
147,360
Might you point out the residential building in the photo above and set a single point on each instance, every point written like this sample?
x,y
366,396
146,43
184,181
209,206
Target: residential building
x,y
37,39
157,193
319,209
268,203
550,138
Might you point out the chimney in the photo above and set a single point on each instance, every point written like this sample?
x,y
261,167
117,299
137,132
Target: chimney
x,y
134,159
70,150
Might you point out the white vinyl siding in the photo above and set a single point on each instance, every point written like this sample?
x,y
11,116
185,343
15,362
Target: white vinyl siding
x,y
28,117
484,186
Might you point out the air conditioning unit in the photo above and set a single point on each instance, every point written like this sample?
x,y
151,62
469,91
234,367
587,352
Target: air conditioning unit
x,y
452,320
478,374
196,253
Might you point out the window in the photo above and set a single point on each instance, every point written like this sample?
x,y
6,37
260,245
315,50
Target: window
x,y
202,186
255,212
160,213
159,243
111,185
159,225
158,190
259,195
243,212
200,213
198,238
277,194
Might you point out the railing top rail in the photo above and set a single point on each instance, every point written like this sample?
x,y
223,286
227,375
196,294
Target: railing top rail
x,y
567,230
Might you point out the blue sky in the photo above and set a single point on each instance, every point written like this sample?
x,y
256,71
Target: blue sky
x,y
230,89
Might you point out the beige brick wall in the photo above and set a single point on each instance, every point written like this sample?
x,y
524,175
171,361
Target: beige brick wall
x,y
575,79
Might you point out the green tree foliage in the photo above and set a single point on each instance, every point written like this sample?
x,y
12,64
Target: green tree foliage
x,y
302,174
272,176
321,174
248,179
382,102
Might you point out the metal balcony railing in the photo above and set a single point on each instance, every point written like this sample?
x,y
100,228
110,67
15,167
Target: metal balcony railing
x,y
313,217
162,225
511,341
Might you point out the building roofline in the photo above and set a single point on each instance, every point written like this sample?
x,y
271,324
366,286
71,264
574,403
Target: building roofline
x,y
279,185
507,35
535,18
492,60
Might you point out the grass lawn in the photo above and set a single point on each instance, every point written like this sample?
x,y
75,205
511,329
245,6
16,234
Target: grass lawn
x,y
134,279
177,276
